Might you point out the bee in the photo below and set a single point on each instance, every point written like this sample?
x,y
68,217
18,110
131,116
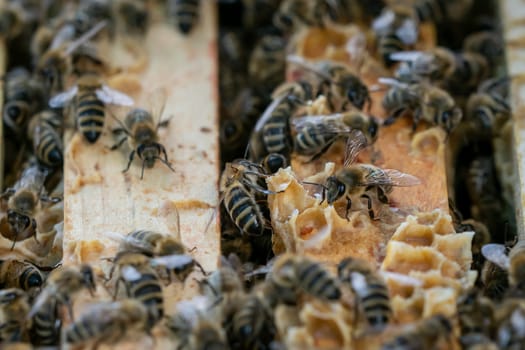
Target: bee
x,y
475,313
477,341
24,95
14,307
91,12
338,83
293,14
258,13
266,65
387,45
273,162
20,274
486,43
356,181
240,184
109,322
185,13
234,242
370,290
24,202
509,318
140,128
426,102
399,20
315,134
60,287
12,21
513,263
134,16
89,97
45,133
494,280
291,275
425,335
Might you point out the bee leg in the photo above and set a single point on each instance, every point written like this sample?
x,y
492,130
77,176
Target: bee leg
x,y
131,156
392,118
115,293
162,150
201,268
348,206
417,118
370,209
369,104
118,144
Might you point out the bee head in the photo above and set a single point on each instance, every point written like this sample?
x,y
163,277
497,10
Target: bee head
x,y
335,189
449,119
373,128
357,93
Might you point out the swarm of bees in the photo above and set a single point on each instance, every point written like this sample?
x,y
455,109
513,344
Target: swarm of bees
x,y
56,81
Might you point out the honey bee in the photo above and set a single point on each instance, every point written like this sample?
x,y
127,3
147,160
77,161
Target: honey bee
x,y
291,275
232,241
45,133
134,16
20,274
514,262
294,14
426,102
240,184
510,316
60,287
463,71
315,134
475,313
342,87
495,281
370,290
356,181
387,45
400,20
12,20
486,43
23,97
185,13
425,335
266,65
89,97
109,323
140,128
23,203
91,12
273,162
14,307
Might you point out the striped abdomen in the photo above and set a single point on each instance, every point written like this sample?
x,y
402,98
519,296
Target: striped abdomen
x,y
45,330
375,302
313,138
148,290
84,330
47,144
253,323
90,114
243,209
315,280
388,44
186,13
276,131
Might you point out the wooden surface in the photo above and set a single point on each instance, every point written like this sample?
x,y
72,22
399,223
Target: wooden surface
x,y
513,21
98,197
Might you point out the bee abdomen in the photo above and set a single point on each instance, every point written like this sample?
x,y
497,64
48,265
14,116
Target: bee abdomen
x,y
316,281
389,44
49,150
276,134
244,210
149,291
45,330
90,114
81,331
311,140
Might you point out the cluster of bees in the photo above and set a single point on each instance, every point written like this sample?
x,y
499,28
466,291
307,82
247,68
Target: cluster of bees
x,y
54,71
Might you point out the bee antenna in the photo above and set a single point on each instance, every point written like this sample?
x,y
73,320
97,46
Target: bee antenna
x,y
142,172
165,163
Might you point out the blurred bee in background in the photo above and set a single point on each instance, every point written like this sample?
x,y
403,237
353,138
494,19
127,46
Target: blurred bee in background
x,y
424,335
273,162
426,102
486,43
356,181
475,314
89,97
20,274
294,14
266,65
24,202
91,12
387,45
14,307
513,263
510,316
494,281
400,20
12,20
133,16
337,82
140,127
109,323
351,11
45,133
61,286
24,95
185,13
315,134
370,291
293,275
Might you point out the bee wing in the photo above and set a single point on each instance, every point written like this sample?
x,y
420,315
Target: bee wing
x,y
405,56
408,31
63,98
112,96
85,37
268,113
32,178
355,143
129,273
308,66
496,253
115,236
390,177
392,82
382,23
358,282
332,122
172,261
191,309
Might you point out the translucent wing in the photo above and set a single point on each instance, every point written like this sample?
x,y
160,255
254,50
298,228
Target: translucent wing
x,y
408,31
331,122
389,177
405,56
358,282
268,113
172,261
157,104
496,253
42,298
63,98
129,273
308,66
115,236
382,23
392,82
355,143
191,309
32,178
85,37
111,96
